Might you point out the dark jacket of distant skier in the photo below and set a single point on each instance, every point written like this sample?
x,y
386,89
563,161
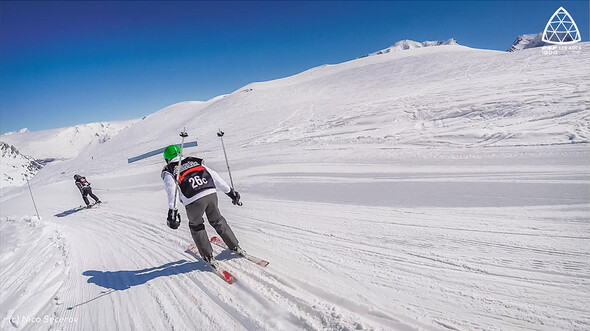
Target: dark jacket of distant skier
x,y
197,187
84,187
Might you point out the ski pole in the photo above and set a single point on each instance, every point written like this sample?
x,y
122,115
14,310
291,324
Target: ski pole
x,y
183,134
30,191
220,135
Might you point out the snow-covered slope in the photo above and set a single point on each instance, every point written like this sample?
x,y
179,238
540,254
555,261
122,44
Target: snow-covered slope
x,y
16,168
433,188
447,96
527,41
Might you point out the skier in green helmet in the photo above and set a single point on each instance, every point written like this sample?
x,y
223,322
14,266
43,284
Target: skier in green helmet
x,y
197,186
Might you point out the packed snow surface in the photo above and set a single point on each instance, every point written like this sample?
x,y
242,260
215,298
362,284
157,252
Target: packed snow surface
x,y
433,188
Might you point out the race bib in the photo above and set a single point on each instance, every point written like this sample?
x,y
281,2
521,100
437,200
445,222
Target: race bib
x,y
195,180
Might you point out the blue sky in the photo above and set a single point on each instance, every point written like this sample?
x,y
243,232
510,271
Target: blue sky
x,y
65,63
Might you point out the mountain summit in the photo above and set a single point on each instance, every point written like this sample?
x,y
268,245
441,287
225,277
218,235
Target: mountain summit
x,y
410,44
527,41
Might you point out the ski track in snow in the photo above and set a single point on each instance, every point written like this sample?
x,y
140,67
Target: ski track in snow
x,y
333,266
119,267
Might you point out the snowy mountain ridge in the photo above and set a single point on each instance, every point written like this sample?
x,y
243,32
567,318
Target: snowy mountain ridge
x,y
526,41
23,130
16,167
406,44
43,147
64,143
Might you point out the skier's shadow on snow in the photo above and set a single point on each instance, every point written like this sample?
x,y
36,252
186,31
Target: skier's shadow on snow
x,y
69,211
226,255
125,279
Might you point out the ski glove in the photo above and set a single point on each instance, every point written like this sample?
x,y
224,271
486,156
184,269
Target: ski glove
x,y
235,197
173,220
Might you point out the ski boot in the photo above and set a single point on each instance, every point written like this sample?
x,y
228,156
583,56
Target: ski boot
x,y
211,260
238,250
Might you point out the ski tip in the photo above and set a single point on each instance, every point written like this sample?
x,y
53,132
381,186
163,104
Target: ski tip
x,y
228,277
262,263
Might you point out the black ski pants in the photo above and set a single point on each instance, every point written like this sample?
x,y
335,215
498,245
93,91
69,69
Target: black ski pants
x,y
208,205
86,191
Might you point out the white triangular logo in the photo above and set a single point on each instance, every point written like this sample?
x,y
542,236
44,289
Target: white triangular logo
x,y
561,29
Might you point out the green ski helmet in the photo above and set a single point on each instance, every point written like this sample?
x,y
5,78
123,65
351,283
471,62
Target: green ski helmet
x,y
171,152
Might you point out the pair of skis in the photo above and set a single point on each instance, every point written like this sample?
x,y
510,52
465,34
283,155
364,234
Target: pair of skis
x,y
92,205
219,270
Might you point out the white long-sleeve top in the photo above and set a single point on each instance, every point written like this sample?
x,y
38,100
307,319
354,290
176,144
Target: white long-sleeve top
x,y
170,187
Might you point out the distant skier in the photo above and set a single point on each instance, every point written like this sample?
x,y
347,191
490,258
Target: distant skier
x,y
197,191
84,187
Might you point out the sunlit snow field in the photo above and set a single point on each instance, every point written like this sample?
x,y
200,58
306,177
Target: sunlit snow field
x,y
438,188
